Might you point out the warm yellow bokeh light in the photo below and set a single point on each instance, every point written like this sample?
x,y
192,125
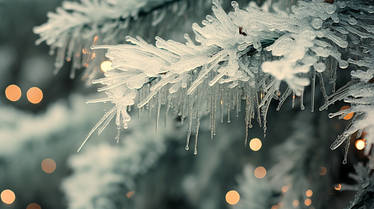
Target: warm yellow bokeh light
x,y
48,165
232,197
360,144
349,115
323,171
130,194
33,206
308,193
105,66
13,93
338,187
255,144
8,196
295,203
260,172
284,189
307,202
34,95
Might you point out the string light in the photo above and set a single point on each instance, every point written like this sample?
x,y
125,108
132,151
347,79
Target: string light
x,y
34,95
48,165
8,196
105,66
349,115
232,197
13,93
255,144
33,206
307,202
308,193
360,144
260,172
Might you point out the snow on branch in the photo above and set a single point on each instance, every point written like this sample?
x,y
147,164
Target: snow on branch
x,y
241,55
76,26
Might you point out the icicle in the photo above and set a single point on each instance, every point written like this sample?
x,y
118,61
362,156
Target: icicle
x,y
346,149
189,130
197,134
258,110
106,115
118,134
211,117
238,103
323,89
228,114
293,99
247,118
221,106
313,90
302,107
283,98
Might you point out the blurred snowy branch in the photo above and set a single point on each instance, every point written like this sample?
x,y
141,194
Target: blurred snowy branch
x,y
103,174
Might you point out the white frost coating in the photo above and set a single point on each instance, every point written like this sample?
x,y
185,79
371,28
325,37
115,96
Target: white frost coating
x,y
242,55
76,26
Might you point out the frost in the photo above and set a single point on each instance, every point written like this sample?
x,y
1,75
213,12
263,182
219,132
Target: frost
x,y
241,55
75,27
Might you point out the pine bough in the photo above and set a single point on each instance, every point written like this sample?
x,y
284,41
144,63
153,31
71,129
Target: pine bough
x,y
242,55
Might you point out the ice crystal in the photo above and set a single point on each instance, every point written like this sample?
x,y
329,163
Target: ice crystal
x,y
236,56
76,26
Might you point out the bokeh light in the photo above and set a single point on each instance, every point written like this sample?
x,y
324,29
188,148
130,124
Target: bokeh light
x,y
130,194
34,95
323,171
360,144
105,66
295,203
13,93
232,197
33,206
8,196
307,202
48,165
255,144
308,193
338,187
349,115
260,172
284,189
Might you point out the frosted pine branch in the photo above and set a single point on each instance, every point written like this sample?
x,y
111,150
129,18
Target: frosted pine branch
x,y
242,55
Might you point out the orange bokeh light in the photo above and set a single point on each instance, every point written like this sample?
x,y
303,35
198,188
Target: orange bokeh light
x,y
295,203
349,115
232,197
255,144
284,189
13,93
338,187
33,206
260,172
323,171
34,95
308,193
48,165
307,202
130,194
8,196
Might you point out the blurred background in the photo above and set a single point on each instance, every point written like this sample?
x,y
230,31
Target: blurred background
x,y
44,119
